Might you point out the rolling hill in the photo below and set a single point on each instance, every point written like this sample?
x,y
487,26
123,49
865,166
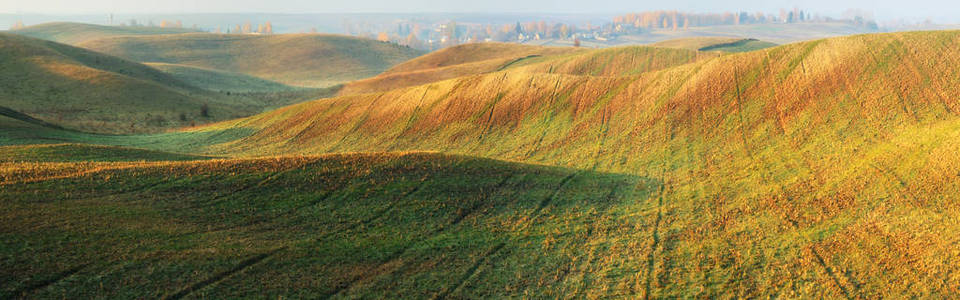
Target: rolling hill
x,y
822,169
75,33
303,60
85,90
771,160
453,62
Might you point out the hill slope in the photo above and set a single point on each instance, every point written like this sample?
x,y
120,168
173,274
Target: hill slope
x,y
214,80
492,57
801,171
81,89
771,160
372,226
89,91
293,59
452,62
75,33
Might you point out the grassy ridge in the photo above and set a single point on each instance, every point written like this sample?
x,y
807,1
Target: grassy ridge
x,y
572,61
383,225
293,59
75,33
773,160
452,62
85,90
89,91
723,44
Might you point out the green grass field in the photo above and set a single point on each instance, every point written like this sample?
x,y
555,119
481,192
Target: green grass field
x,y
75,33
822,169
302,60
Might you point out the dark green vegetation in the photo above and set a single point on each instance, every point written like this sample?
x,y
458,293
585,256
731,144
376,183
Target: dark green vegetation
x,y
74,33
384,225
308,60
823,169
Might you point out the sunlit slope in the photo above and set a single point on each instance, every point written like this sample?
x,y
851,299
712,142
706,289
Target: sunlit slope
x,y
450,63
74,33
362,225
476,52
293,59
831,160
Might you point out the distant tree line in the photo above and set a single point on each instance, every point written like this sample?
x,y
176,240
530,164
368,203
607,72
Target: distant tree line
x,y
675,20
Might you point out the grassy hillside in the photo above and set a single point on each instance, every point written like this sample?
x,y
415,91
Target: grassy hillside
x,y
293,59
773,161
723,44
824,169
744,45
221,81
88,91
573,61
372,226
452,62
74,33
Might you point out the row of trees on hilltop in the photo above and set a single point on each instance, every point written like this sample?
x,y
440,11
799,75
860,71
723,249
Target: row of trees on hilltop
x,y
247,28
451,33
676,20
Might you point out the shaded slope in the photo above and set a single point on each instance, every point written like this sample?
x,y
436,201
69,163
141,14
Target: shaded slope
x,y
221,81
772,160
360,225
293,59
84,153
74,33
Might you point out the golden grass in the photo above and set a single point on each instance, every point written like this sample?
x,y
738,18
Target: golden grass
x,y
782,168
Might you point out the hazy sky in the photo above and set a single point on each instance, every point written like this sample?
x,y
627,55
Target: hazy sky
x,y
884,9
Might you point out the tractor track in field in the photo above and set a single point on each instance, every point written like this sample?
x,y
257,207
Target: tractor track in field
x,y
476,206
474,269
471,272
611,196
381,214
243,265
36,286
396,255
556,192
833,275
847,293
655,244
902,183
